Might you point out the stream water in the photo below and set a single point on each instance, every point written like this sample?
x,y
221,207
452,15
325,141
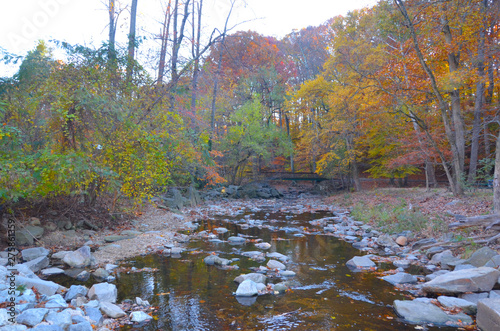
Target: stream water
x,y
324,295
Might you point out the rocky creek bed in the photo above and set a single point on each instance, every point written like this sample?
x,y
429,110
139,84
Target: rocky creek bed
x,y
255,270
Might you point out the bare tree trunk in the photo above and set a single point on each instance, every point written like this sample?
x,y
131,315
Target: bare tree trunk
x,y
196,56
478,105
131,41
178,36
219,66
496,179
164,42
112,32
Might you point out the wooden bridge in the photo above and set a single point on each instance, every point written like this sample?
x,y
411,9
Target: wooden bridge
x,y
295,176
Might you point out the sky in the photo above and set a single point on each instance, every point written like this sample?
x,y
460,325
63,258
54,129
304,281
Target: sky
x,y
25,22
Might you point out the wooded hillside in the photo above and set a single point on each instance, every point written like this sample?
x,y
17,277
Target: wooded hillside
x,y
402,88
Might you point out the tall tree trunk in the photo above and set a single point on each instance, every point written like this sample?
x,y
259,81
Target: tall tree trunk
x,y
496,179
196,56
112,33
457,164
478,103
131,41
176,46
164,42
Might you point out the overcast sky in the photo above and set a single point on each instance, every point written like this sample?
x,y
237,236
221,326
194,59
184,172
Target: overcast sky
x,y
85,21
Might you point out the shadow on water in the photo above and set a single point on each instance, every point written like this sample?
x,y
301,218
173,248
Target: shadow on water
x,y
324,295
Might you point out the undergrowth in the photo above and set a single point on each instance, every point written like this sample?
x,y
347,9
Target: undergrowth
x,y
395,218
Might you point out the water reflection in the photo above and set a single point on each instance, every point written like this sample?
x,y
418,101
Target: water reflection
x,y
324,295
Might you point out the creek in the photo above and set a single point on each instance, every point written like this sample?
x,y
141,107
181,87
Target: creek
x,y
324,293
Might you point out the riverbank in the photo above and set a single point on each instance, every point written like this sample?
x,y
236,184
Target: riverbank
x,y
412,218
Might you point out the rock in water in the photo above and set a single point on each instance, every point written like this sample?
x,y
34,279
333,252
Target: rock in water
x,y
247,288
104,292
360,262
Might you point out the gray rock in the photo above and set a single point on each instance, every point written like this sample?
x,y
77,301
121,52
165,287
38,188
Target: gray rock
x,y
104,292
26,235
247,288
263,245
360,263
273,264
76,291
60,255
56,301
43,286
83,276
32,317
464,266
215,260
445,259
94,314
401,263
46,327
386,240
435,274
52,271
221,230
461,281
434,250
111,310
100,274
80,258
38,263
287,273
33,253
495,294
279,256
423,242
482,256
488,314
256,277
4,317
400,278
140,302
110,267
15,327
450,302
474,297
62,319
82,326
236,240
25,271
422,312
139,317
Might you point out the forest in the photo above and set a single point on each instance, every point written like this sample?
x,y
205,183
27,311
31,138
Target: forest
x,y
403,88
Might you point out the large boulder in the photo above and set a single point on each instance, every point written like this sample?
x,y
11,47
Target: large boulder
x,y
423,311
104,292
80,258
467,280
488,314
480,257
452,302
43,286
247,288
